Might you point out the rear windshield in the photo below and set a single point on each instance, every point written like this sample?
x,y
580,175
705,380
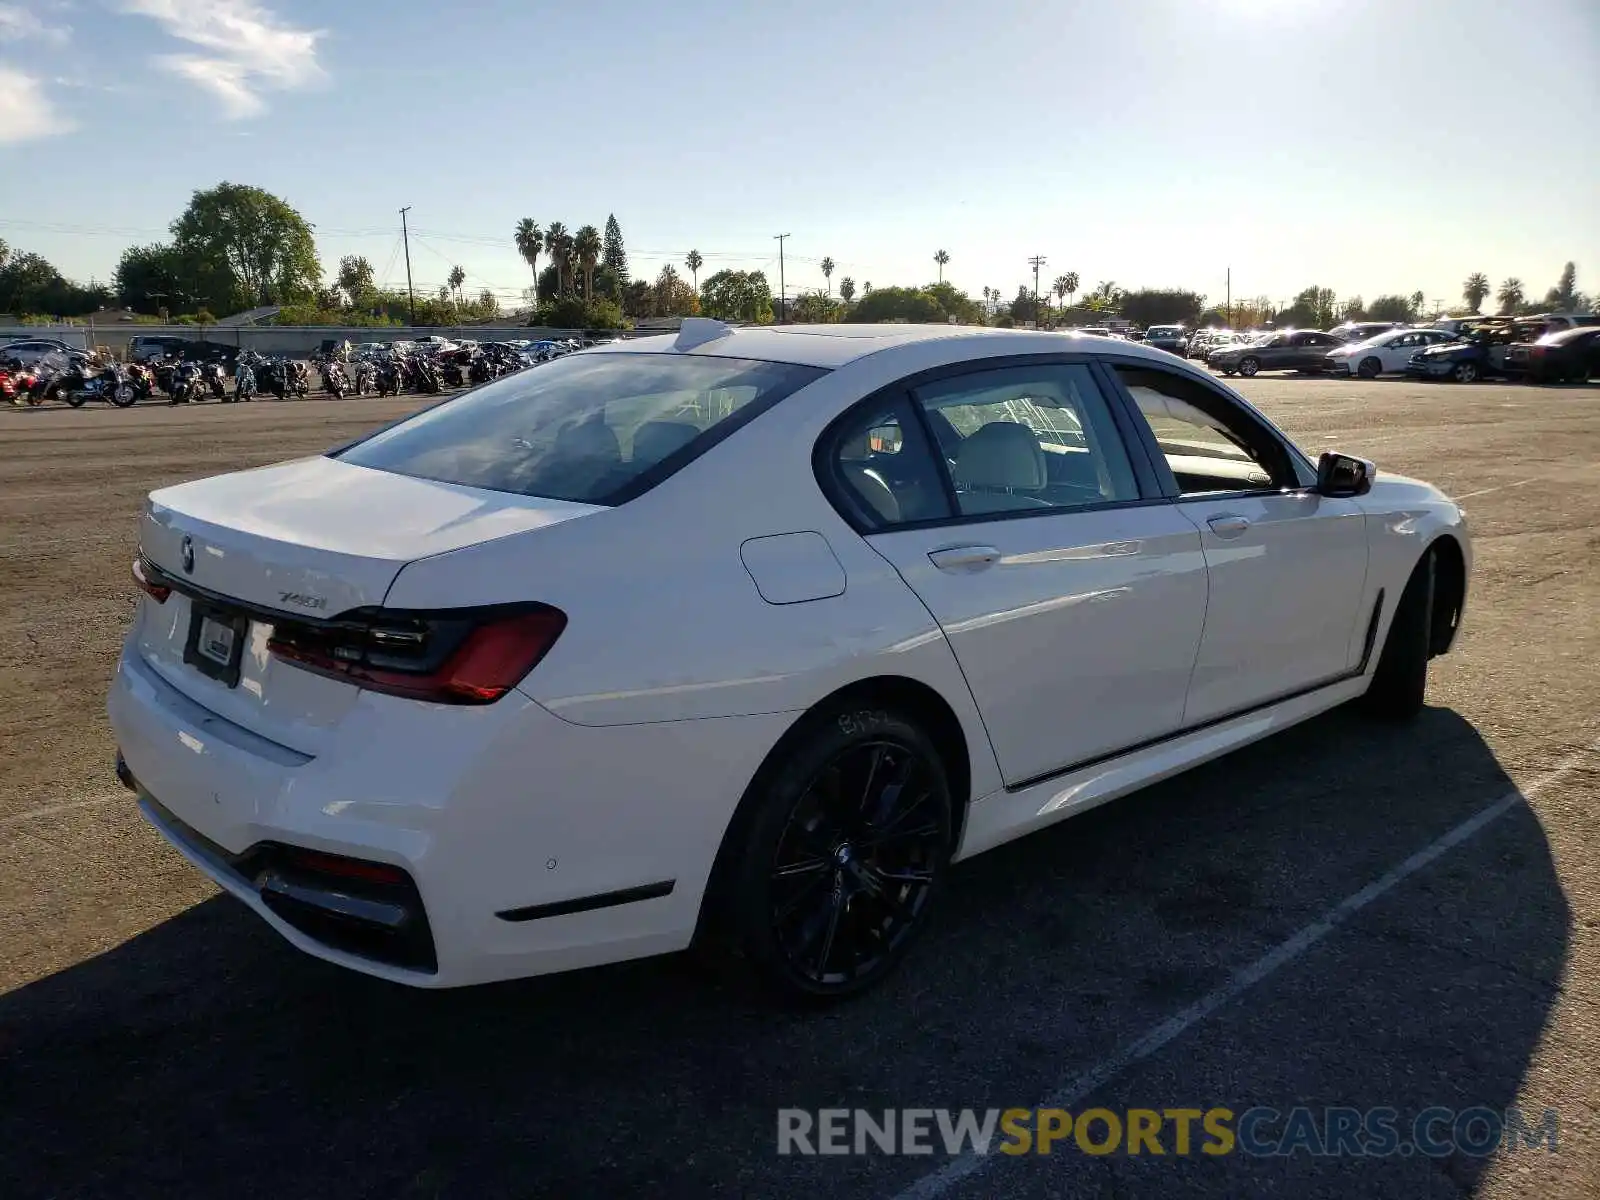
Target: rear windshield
x,y
598,428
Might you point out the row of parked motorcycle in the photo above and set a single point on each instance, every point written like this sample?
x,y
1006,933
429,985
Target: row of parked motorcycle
x,y
77,379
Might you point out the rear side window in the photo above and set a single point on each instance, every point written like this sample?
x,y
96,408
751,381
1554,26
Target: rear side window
x,y
595,428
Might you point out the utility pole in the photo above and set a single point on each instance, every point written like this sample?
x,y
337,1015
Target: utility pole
x,y
783,295
1230,297
405,236
1037,261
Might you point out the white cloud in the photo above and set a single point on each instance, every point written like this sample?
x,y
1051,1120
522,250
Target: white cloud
x,y
25,111
249,50
17,23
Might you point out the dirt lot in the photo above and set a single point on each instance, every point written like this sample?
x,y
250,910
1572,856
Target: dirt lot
x,y
155,1039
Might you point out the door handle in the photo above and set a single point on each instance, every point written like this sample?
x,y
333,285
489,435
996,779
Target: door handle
x,y
1228,525
964,558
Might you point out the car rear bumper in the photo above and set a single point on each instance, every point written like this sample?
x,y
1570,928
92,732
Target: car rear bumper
x,y
528,844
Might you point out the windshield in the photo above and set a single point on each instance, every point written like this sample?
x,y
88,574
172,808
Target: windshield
x,y
596,428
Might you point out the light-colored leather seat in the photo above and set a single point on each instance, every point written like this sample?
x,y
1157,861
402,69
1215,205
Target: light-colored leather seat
x,y
854,456
997,466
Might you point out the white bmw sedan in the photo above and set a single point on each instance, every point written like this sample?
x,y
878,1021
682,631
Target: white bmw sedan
x,y
1387,352
743,637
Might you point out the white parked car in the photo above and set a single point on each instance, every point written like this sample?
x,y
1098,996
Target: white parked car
x,y
744,635
1386,352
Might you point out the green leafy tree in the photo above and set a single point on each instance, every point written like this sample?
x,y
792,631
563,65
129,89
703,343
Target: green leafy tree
x,y
1025,308
355,278
1390,308
150,278
456,278
1564,296
614,258
815,308
252,245
5,253
30,285
1160,306
1476,290
1353,309
558,243
671,296
530,243
934,304
738,296
694,262
637,299
1417,302
827,273
847,289
1072,287
572,312
941,257
1511,296
587,245
1316,307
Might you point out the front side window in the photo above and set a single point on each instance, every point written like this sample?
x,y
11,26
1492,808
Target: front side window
x,y
597,428
1208,448
1021,438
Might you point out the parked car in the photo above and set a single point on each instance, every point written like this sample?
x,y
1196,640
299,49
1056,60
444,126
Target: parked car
x,y
27,351
1527,330
1387,352
1464,360
1293,350
1360,331
475,608
151,348
1565,356
1171,338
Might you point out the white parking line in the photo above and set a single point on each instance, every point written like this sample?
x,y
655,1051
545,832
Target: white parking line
x,y
53,809
937,1183
1501,487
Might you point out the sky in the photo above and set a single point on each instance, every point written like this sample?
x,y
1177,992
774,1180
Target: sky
x,y
1370,146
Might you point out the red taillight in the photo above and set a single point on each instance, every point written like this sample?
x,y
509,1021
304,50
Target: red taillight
x,y
154,590
484,661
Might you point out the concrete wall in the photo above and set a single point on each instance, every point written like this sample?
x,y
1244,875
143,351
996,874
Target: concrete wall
x,y
271,339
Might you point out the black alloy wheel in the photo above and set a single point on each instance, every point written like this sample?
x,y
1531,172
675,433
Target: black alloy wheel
x,y
841,856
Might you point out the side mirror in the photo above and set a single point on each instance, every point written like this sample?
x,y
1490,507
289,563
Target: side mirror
x,y
1344,475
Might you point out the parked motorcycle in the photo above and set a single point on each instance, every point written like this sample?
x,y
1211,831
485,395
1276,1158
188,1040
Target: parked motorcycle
x,y
142,380
244,376
214,377
334,380
426,376
390,375
81,379
187,384
366,377
300,379
278,378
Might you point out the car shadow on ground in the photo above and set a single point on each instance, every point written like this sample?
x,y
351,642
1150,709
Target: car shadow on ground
x,y
206,1056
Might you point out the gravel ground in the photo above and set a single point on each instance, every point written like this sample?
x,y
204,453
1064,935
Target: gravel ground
x,y
155,1039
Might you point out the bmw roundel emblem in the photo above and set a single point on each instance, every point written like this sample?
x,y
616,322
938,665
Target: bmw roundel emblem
x,y
187,552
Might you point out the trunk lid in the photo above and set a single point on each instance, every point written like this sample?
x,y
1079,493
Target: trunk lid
x,y
304,540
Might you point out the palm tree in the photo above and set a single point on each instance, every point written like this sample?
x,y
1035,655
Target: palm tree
x,y
941,257
444,293
559,243
1475,290
1072,286
1417,301
1510,295
530,241
694,262
586,244
866,288
1060,287
847,289
827,273
457,278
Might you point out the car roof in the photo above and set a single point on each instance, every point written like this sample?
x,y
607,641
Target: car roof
x,y
831,346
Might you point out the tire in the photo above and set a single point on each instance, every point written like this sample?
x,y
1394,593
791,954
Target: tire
x,y
124,396
1370,368
1466,372
1401,679
833,862
1578,372
1248,366
71,396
